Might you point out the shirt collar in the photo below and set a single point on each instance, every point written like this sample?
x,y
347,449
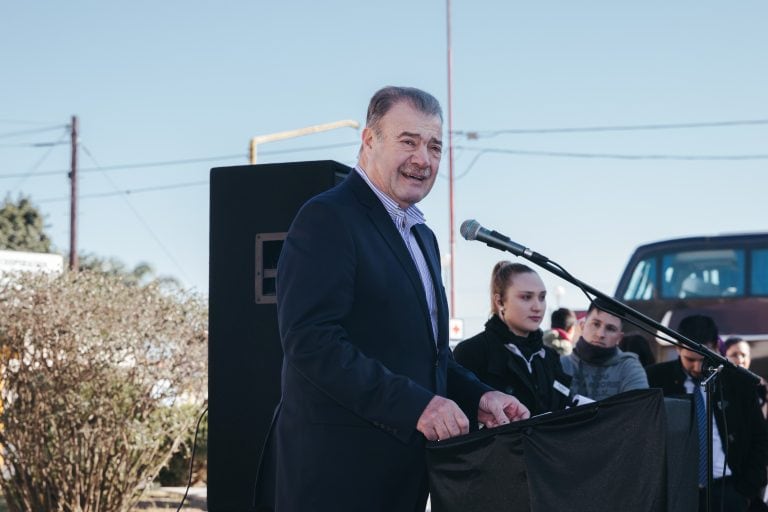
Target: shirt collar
x,y
412,214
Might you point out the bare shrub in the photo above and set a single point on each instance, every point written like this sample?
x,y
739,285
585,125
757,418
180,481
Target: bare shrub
x,y
97,375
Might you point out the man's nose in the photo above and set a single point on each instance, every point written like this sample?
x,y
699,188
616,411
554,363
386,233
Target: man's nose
x,y
420,157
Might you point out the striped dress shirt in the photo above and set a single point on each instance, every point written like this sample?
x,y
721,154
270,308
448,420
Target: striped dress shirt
x,y
404,220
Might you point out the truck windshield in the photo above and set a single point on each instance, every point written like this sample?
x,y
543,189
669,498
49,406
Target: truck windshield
x,y
699,274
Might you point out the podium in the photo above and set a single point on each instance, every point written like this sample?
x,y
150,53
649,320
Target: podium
x,y
635,451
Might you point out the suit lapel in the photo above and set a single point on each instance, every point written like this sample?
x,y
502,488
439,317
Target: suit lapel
x,y
423,236
383,223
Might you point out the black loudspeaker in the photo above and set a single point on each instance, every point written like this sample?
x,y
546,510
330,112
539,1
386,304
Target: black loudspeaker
x,y
252,207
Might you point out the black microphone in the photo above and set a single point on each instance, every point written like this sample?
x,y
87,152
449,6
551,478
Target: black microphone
x,y
472,230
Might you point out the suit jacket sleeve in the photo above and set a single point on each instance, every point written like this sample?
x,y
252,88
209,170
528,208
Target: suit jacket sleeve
x,y
316,293
755,443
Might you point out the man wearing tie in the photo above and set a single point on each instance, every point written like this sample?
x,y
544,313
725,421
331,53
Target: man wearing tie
x,y
739,460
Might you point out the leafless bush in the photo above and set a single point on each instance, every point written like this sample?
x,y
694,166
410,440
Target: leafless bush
x,y
97,375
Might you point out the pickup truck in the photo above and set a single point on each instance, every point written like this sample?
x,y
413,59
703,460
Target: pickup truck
x,y
724,276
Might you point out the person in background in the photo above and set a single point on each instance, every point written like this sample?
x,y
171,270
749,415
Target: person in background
x,y
509,354
560,334
740,353
739,480
638,344
598,366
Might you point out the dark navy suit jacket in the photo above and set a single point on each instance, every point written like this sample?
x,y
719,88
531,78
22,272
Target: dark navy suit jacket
x,y
360,359
736,412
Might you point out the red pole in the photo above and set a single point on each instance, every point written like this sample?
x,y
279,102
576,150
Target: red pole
x,y
452,242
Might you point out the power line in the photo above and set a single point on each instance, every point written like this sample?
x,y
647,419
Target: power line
x,y
164,163
616,156
31,144
34,168
141,220
126,192
23,121
36,130
618,128
135,166
563,154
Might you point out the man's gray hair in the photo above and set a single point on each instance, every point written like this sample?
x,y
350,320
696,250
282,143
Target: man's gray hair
x,y
384,99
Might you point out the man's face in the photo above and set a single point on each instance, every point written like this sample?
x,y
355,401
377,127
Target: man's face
x,y
739,354
602,329
691,362
403,157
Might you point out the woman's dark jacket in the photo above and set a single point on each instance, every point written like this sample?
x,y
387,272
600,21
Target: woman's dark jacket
x,y
486,355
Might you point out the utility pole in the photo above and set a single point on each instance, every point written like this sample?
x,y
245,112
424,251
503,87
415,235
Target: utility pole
x,y
451,229
73,263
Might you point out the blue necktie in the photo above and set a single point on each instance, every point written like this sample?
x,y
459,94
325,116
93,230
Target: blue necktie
x,y
701,419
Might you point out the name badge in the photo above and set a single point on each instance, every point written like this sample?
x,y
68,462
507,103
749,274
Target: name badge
x,y
561,388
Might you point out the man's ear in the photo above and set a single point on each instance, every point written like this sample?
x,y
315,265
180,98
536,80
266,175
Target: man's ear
x,y
367,137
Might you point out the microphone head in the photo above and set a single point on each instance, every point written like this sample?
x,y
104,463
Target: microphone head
x,y
469,229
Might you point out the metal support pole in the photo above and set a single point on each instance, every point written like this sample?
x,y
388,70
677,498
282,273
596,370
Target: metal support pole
x,y
451,227
73,262
260,139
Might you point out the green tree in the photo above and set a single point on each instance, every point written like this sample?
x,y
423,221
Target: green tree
x,y
22,227
141,274
97,376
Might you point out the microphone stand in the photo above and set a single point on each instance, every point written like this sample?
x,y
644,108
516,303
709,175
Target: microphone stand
x,y
715,362
709,387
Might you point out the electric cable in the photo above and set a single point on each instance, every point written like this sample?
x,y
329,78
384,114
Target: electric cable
x,y
475,134
36,130
140,218
192,458
23,177
126,191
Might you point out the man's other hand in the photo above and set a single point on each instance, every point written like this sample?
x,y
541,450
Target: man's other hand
x,y
497,408
442,419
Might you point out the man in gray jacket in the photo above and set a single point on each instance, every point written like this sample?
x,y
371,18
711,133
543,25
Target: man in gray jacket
x,y
598,367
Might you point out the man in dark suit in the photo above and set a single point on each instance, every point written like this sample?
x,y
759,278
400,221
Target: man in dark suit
x,y
363,320
742,459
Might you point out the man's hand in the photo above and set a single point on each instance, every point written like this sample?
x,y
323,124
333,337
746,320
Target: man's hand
x,y
497,408
442,419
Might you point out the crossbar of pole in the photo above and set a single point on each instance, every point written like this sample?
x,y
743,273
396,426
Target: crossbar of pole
x,y
290,134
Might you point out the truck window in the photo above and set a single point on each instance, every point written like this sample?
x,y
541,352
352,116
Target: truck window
x,y
642,283
710,273
759,281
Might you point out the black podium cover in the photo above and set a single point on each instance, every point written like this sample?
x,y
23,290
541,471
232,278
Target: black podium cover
x,y
605,456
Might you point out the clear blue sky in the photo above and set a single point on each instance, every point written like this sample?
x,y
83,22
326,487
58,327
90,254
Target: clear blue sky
x,y
172,80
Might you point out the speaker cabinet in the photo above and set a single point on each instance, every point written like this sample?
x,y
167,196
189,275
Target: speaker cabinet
x,y
252,207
